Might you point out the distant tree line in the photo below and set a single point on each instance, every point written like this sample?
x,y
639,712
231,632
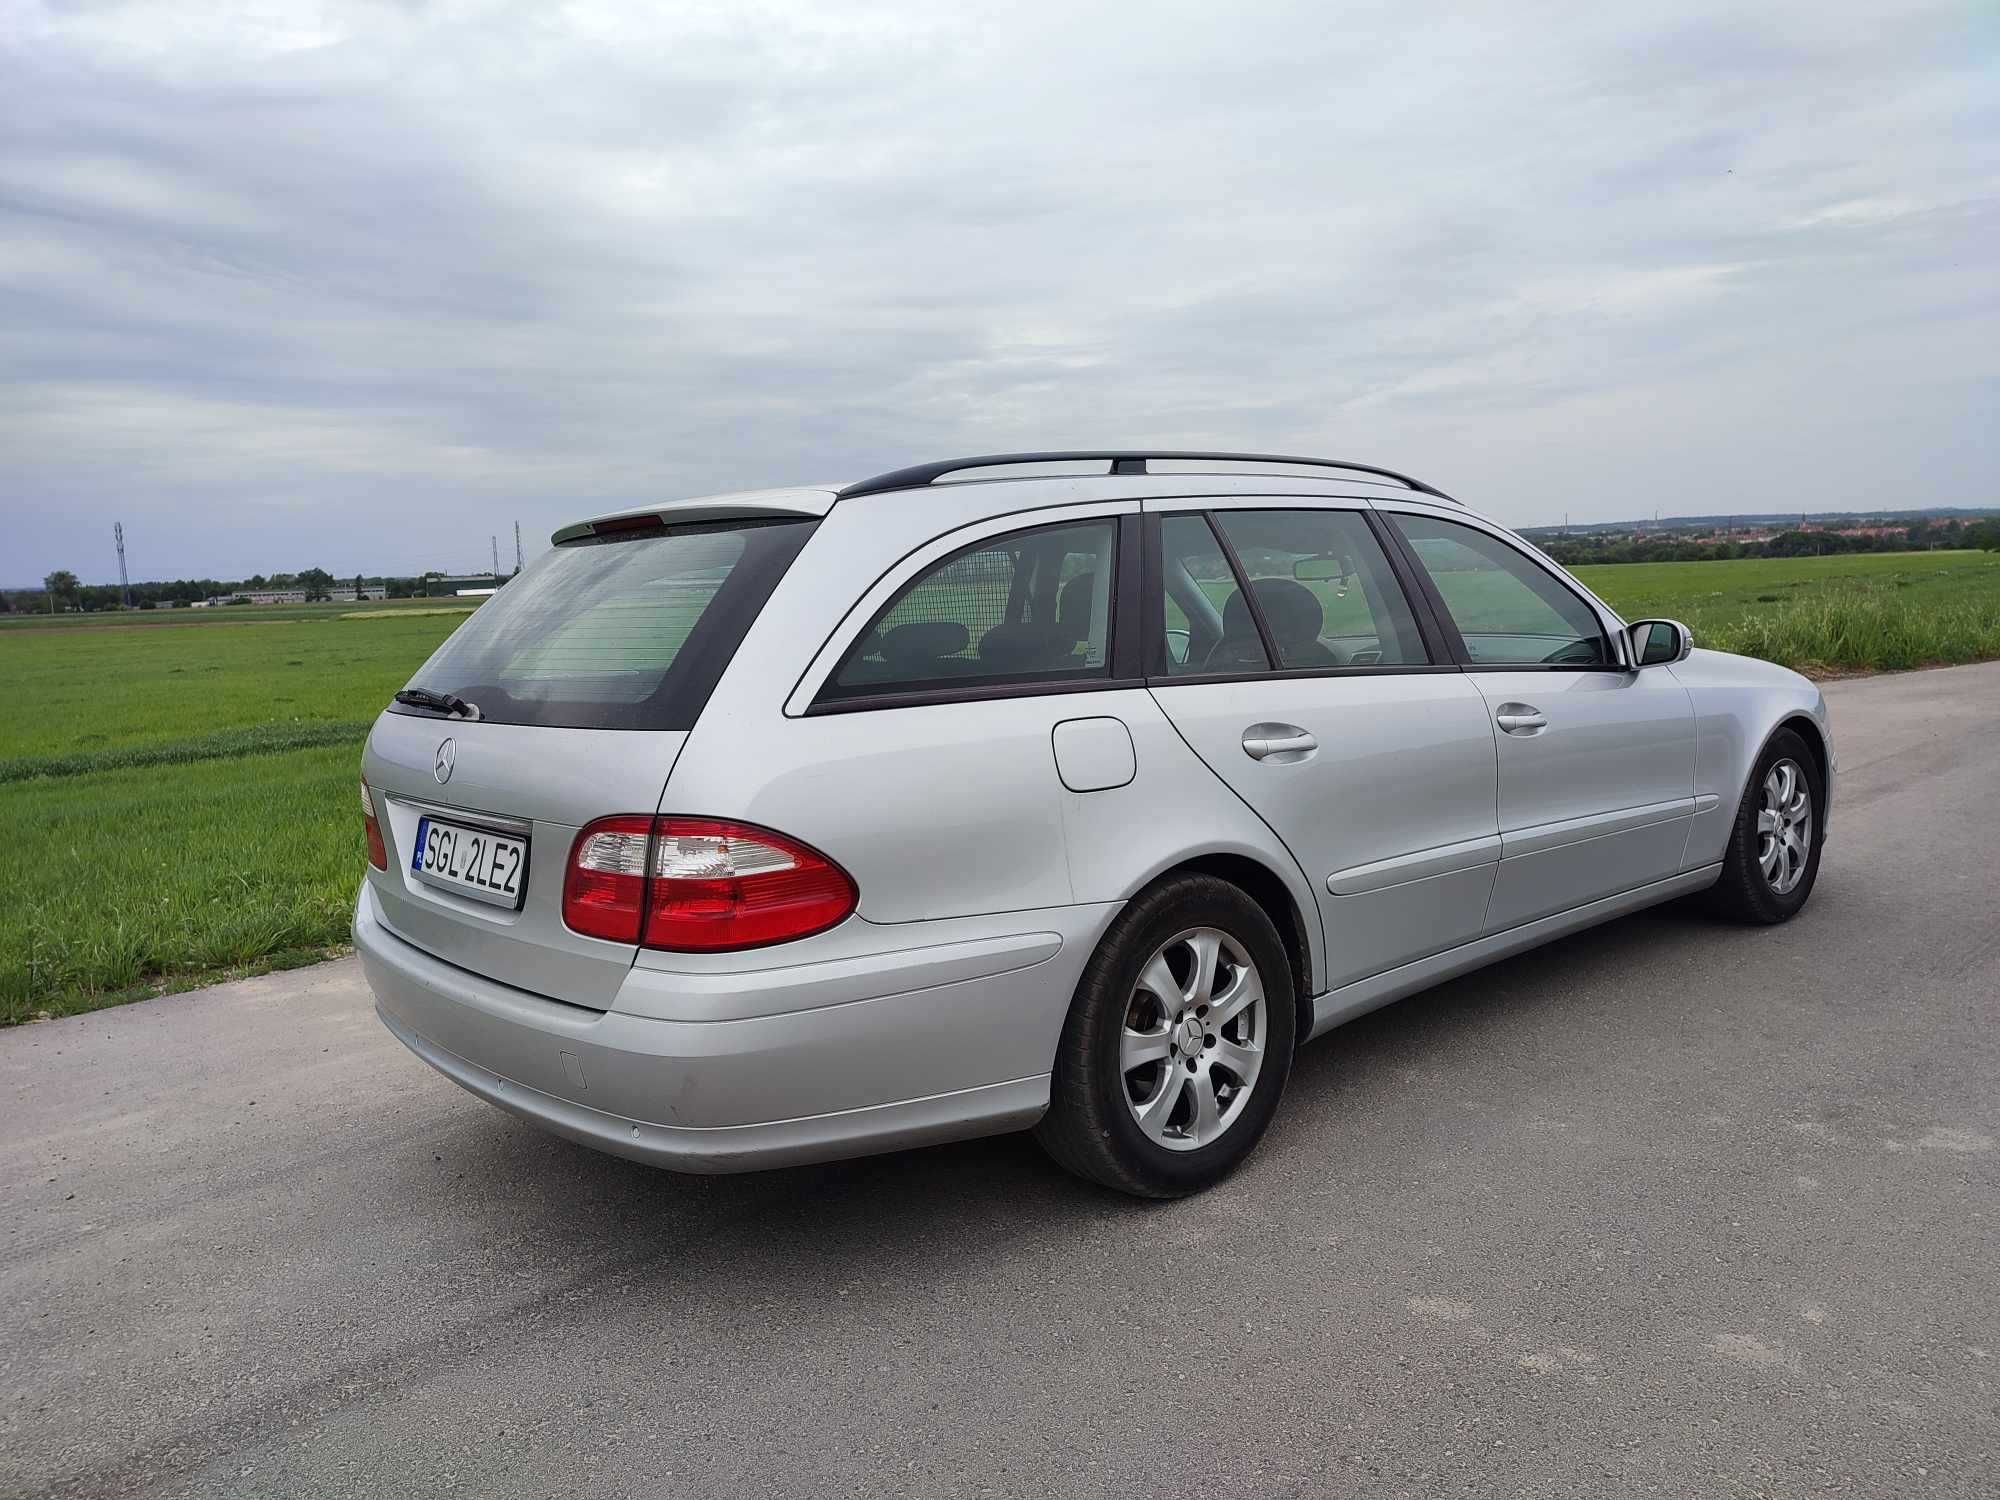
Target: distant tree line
x,y
62,591
1640,547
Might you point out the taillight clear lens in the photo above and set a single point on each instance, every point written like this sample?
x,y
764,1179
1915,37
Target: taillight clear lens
x,y
699,885
718,885
378,852
604,889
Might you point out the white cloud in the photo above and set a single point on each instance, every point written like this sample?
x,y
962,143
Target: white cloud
x,y
420,269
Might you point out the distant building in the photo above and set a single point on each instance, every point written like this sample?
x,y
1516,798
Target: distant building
x,y
467,584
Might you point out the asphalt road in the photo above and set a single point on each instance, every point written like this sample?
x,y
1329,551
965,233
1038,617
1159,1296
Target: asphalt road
x,y
1669,1208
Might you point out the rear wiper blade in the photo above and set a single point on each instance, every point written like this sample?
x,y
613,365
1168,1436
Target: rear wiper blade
x,y
445,703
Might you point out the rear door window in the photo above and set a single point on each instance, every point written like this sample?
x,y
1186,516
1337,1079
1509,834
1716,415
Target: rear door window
x,y
1319,580
1027,607
1510,610
626,631
1202,601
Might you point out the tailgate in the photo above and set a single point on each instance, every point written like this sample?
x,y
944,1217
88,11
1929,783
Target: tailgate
x,y
529,783
563,699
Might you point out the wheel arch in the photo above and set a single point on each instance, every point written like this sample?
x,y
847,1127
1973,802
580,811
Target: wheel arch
x,y
1808,730
1268,889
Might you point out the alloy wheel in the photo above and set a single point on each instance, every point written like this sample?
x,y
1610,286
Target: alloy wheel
x,y
1784,826
1193,1039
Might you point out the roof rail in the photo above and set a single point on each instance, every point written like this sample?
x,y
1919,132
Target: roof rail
x,y
1121,462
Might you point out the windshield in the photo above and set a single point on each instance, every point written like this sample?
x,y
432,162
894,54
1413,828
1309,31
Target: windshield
x,y
627,631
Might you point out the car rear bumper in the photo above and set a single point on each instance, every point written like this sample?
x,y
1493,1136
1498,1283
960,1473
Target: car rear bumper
x,y
899,1069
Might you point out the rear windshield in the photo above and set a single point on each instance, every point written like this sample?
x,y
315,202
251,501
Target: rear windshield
x,y
627,631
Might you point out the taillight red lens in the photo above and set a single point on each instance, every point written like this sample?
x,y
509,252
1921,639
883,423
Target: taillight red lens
x,y
378,853
604,889
708,885
719,885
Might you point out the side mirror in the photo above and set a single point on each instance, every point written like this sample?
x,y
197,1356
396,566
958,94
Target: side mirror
x,y
1658,643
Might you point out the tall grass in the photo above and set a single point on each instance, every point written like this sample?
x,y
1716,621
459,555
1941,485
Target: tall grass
x,y
1864,630
1723,593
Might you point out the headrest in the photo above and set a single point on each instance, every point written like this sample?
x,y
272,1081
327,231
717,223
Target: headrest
x,y
909,648
1290,608
1027,646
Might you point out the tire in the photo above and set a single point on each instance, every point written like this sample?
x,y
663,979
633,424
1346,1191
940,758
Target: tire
x,y
1217,1114
1748,891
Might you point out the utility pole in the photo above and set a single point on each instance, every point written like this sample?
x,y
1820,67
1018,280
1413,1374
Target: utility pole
x,y
517,546
124,583
496,556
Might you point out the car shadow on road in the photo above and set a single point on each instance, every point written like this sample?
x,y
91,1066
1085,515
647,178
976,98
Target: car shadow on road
x,y
994,1198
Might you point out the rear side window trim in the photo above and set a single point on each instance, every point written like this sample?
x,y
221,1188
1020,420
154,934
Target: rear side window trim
x,y
976,693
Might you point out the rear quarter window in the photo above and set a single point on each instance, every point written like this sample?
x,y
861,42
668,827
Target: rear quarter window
x,y
1012,610
628,631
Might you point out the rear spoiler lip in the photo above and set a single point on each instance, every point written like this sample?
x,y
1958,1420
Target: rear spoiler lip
x,y
754,505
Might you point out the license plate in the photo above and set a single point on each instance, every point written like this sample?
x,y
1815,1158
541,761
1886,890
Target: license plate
x,y
473,862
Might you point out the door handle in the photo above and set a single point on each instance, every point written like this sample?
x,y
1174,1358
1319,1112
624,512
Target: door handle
x,y
1282,743
1520,718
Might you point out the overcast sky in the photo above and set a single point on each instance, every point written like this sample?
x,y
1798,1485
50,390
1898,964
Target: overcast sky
x,y
356,285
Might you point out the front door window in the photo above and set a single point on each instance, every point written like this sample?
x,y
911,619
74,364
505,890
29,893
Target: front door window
x,y
1510,611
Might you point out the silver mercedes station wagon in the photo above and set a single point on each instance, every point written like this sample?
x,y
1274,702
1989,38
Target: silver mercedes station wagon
x,y
1070,791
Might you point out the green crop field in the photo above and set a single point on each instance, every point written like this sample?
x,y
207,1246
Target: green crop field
x,y
97,689
180,797
1723,595
177,788
235,614
1861,612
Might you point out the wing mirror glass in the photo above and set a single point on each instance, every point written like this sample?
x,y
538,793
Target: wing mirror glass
x,y
1658,643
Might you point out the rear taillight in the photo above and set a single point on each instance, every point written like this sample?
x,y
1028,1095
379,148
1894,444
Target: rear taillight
x,y
727,885
378,852
699,885
604,890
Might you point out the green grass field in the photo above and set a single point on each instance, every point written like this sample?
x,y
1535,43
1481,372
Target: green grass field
x,y
234,614
96,688
1866,612
1951,599
178,797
